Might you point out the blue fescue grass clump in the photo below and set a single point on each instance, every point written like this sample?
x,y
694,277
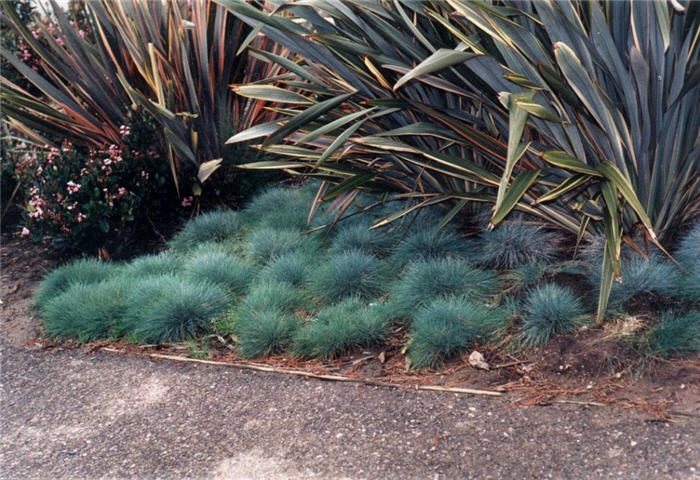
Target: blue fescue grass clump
x,y
653,274
515,244
687,283
218,225
429,243
336,329
351,273
80,271
688,250
267,243
86,312
448,326
264,333
675,334
227,271
160,264
264,322
550,309
270,295
293,268
358,236
166,308
641,275
426,280
280,208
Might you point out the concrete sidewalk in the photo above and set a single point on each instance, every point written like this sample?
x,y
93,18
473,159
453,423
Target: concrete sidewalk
x,y
72,416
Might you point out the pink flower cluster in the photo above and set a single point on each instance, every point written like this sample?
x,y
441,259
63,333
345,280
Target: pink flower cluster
x,y
37,205
72,187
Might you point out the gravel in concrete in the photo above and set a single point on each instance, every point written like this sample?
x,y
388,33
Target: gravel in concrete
x,y
69,415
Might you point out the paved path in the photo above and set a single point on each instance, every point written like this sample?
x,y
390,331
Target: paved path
x,y
76,416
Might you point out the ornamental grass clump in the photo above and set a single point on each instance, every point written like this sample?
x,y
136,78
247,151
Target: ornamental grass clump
x,y
266,332
688,250
448,326
266,243
160,264
270,295
549,310
358,236
514,244
687,284
687,280
86,312
675,334
280,208
643,275
218,225
84,271
427,244
338,328
293,268
426,280
228,271
351,273
166,308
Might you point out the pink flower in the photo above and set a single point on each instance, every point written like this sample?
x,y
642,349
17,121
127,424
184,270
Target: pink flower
x,y
107,161
25,232
144,174
187,201
72,187
80,217
121,191
124,130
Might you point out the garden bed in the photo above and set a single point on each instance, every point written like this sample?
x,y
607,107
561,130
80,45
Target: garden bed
x,y
587,365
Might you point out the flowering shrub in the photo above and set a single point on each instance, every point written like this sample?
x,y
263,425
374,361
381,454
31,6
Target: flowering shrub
x,y
88,199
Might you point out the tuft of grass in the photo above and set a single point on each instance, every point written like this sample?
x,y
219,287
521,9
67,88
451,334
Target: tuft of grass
x,y
515,244
265,333
86,311
217,225
429,243
269,295
640,275
160,264
674,335
688,250
280,208
687,283
426,280
351,273
447,326
335,329
550,309
165,308
228,271
84,271
643,275
293,268
358,236
267,243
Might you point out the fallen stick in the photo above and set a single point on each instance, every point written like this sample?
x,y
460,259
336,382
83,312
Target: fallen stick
x,y
581,402
301,373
